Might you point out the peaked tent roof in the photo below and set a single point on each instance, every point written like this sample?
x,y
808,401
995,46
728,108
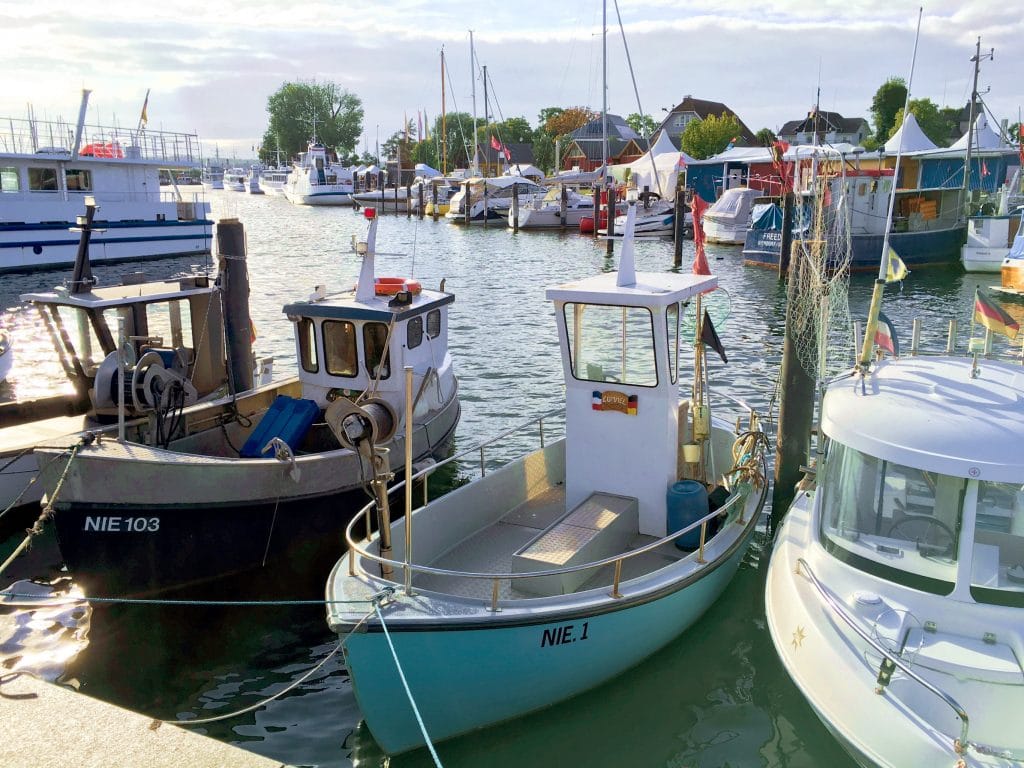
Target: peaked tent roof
x,y
912,137
983,136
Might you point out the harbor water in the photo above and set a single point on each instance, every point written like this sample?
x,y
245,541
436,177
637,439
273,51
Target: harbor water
x,y
716,696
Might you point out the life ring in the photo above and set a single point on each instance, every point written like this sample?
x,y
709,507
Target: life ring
x,y
389,286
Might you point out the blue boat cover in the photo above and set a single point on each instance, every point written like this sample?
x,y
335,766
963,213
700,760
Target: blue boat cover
x,y
288,418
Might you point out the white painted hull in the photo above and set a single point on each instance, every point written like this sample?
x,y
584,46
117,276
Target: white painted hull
x,y
550,218
724,234
977,259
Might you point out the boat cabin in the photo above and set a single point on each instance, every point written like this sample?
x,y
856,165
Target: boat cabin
x,y
619,335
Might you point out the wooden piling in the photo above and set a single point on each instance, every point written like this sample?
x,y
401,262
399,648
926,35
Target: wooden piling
x,y
436,204
515,208
564,203
610,211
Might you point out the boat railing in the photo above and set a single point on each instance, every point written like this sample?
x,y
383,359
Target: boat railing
x,y
57,138
959,744
982,346
355,548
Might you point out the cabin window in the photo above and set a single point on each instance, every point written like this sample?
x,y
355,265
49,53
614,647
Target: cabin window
x,y
611,344
375,344
433,323
171,322
896,522
340,355
997,566
42,179
78,180
305,336
414,334
672,326
76,326
9,180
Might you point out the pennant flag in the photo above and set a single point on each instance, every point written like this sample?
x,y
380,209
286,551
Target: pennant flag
x,y
426,126
895,269
984,168
709,336
144,117
700,261
885,336
994,317
1020,144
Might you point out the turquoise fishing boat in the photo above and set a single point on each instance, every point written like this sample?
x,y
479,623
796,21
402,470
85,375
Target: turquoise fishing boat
x,y
574,562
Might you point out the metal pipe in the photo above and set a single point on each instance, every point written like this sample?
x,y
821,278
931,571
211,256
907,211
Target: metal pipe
x,y
951,337
618,576
915,337
408,478
120,379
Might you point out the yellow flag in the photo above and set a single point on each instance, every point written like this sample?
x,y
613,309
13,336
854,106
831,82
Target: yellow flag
x,y
896,269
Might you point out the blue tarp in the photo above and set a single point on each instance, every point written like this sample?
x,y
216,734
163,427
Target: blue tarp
x,y
987,173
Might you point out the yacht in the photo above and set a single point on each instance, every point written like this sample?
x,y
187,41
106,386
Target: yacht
x,y
314,180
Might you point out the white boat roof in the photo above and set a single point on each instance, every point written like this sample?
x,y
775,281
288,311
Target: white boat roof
x,y
651,289
928,413
345,306
120,295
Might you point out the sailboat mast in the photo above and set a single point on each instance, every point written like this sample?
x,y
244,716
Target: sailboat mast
x,y
487,121
472,76
604,89
444,123
972,134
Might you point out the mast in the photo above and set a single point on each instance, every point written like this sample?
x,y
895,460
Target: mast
x,y
474,170
444,124
604,92
972,134
487,121
883,263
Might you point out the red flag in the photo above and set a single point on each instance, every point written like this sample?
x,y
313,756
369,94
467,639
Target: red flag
x,y
1020,144
700,261
495,144
778,150
508,153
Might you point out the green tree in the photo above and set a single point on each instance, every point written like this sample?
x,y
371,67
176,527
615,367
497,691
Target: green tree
x,y
765,137
566,121
644,125
934,122
456,141
889,99
299,111
703,138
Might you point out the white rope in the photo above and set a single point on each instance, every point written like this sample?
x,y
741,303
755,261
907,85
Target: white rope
x,y
405,685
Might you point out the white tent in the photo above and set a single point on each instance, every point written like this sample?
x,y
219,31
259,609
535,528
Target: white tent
x,y
657,168
983,136
425,171
529,171
912,137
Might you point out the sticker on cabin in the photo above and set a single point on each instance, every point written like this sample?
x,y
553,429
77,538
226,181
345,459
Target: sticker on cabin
x,y
615,401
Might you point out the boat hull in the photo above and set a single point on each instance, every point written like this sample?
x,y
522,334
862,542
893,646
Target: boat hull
x,y
480,676
319,198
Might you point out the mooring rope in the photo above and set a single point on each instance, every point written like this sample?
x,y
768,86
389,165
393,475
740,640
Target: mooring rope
x,y
405,685
36,601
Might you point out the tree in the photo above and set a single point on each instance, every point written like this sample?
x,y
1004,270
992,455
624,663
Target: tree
x,y
765,137
644,125
934,122
889,98
299,111
568,120
707,137
515,130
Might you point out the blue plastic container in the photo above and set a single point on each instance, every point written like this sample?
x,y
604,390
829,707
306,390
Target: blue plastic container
x,y
288,418
687,502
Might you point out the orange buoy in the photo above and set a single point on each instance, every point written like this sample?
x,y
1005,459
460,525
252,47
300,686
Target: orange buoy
x,y
389,286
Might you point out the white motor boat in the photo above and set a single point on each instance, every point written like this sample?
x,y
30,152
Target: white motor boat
x,y
314,180
212,176
655,219
550,212
895,591
490,199
273,180
252,180
49,168
728,219
386,200
576,561
236,180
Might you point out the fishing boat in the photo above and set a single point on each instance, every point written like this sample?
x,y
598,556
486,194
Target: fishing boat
x,y
573,562
273,485
992,228
184,318
490,199
314,180
6,355
47,168
727,220
235,180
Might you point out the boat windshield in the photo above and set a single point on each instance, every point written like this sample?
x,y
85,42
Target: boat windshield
x,y
896,522
997,570
614,344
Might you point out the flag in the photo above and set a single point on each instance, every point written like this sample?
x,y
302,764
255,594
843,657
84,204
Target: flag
x,y
895,268
681,163
700,261
508,153
984,168
778,150
419,126
495,144
426,126
144,117
993,317
1020,144
885,336
709,336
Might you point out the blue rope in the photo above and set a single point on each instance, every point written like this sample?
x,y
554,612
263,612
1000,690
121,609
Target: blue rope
x,y
405,684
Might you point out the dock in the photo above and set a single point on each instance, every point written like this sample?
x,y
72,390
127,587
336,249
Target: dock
x,y
43,724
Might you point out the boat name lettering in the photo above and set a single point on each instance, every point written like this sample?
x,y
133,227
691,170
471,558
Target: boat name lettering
x,y
610,400
564,634
118,524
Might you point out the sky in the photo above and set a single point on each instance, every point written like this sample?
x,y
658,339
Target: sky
x,y
211,65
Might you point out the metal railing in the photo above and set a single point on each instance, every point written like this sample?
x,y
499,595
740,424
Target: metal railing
x,y
958,744
408,568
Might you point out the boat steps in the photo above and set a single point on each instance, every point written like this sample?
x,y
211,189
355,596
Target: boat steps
x,y
600,526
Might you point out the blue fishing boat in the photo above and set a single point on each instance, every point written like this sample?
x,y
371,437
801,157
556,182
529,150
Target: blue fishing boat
x,y
577,560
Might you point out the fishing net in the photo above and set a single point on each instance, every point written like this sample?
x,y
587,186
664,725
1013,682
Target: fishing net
x,y
819,275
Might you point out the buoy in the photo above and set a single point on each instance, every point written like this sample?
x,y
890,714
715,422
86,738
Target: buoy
x,y
389,286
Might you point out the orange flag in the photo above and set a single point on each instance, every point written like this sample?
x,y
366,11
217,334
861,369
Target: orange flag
x,y
700,261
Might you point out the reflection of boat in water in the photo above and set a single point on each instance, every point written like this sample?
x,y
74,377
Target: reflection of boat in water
x,y
265,489
43,190
572,563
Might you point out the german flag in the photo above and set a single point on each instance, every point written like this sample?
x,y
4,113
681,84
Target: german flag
x,y
994,317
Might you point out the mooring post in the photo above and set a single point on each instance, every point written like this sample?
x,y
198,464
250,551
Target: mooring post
x,y
408,201
515,207
419,199
677,230
787,236
436,204
597,209
796,412
563,205
235,283
610,212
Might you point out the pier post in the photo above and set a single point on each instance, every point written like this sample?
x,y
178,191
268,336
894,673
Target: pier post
x,y
787,236
609,205
563,205
796,410
235,296
515,208
433,187
677,229
408,201
597,209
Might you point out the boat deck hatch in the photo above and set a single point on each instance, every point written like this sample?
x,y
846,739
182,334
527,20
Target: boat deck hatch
x,y
964,657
